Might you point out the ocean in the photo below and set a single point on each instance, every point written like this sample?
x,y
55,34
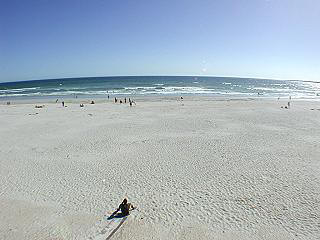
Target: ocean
x,y
159,85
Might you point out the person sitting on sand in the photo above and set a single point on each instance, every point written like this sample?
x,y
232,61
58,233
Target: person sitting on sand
x,y
125,207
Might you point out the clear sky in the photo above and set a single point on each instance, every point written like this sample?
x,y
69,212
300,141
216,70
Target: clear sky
x,y
246,38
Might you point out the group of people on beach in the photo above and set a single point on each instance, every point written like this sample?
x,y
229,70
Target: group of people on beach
x,y
124,101
288,104
130,101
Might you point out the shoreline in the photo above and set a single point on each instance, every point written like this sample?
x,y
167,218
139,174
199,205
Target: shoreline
x,y
151,98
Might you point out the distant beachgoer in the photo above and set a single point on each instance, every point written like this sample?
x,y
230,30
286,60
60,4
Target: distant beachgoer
x,y
125,207
129,100
92,102
115,100
62,103
8,103
181,98
289,97
120,101
125,100
108,97
57,100
130,104
278,98
288,104
81,105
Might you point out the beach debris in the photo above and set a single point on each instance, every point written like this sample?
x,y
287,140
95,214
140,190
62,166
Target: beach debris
x,y
39,106
90,114
33,113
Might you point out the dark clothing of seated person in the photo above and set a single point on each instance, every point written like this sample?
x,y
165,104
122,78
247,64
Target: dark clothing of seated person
x,y
125,207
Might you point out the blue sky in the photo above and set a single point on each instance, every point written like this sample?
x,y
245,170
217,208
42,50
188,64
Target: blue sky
x,y
246,38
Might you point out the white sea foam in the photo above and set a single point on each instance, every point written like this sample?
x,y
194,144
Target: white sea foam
x,y
18,90
297,89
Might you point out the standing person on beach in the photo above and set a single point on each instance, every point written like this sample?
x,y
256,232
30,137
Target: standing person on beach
x,y
62,103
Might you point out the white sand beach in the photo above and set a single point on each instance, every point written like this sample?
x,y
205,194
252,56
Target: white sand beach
x,y
201,168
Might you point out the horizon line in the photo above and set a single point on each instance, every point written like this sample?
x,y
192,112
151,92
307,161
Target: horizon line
x,y
110,76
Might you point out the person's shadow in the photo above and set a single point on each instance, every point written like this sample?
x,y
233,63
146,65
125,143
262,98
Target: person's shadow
x,y
116,214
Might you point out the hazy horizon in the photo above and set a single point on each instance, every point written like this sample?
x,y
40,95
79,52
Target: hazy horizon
x,y
162,75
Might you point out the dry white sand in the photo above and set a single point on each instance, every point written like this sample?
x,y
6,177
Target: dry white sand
x,y
197,169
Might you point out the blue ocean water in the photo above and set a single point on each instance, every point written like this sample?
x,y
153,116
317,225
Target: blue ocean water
x,y
159,85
